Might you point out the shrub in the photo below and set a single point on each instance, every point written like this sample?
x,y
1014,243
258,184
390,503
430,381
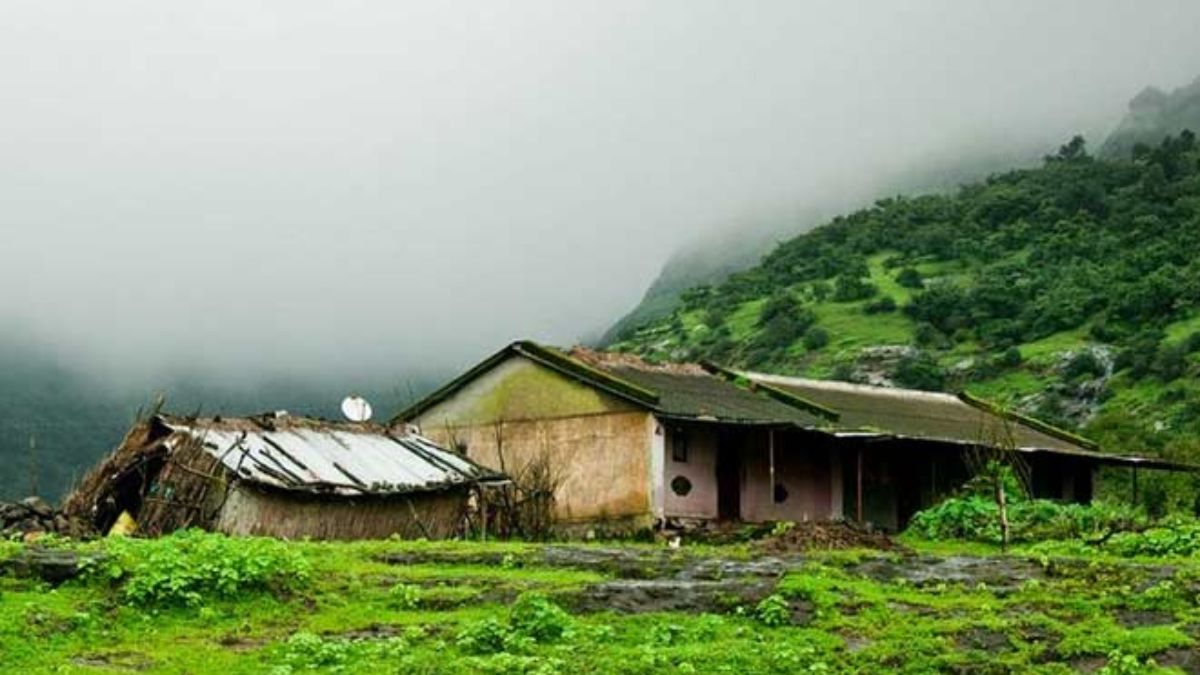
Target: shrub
x,y
881,306
848,288
404,596
974,517
815,338
1084,363
920,371
536,616
773,610
189,567
533,618
910,278
1010,358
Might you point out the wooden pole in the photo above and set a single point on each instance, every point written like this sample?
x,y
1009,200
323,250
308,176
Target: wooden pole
x,y
1135,487
771,459
859,491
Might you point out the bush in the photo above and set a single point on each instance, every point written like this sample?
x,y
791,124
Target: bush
x,y
773,610
404,596
920,371
188,567
848,288
910,278
974,517
533,618
1084,363
539,618
1010,358
881,306
815,338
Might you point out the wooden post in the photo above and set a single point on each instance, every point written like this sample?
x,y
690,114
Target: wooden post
x,y
771,461
858,493
1135,487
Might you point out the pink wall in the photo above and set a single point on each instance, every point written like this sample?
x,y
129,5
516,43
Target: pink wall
x,y
805,472
700,469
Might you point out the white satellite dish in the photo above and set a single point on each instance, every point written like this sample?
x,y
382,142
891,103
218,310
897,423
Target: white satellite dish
x,y
356,409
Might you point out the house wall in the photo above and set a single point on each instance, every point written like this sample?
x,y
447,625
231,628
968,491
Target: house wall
x,y
803,466
700,470
250,511
522,410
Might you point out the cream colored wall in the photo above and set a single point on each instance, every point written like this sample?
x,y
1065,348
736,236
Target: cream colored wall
x,y
602,445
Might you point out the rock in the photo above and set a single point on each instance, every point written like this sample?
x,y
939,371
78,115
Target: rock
x,y
52,565
38,506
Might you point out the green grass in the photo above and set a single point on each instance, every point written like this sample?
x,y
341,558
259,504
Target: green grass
x,y
346,619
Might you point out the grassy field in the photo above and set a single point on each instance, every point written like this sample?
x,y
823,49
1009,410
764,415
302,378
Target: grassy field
x,y
206,604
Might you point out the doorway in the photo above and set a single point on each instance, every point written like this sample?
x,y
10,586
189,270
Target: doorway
x,y
729,476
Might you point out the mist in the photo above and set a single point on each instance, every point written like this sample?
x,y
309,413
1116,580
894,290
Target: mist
x,y
255,189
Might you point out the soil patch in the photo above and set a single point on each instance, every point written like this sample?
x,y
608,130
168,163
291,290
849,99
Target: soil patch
x,y
822,536
115,661
998,573
1185,659
1133,618
983,639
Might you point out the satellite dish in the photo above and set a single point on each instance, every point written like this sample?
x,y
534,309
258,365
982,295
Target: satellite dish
x,y
356,409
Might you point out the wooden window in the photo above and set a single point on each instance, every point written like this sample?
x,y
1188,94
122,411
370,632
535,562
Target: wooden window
x,y
679,446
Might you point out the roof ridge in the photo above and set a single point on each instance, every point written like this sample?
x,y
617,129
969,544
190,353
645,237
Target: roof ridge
x,y
785,397
897,392
579,369
1032,422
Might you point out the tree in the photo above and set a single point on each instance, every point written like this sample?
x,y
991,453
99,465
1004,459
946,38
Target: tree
x,y
910,278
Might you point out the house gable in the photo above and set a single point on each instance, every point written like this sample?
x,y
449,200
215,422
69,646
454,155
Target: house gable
x,y
518,389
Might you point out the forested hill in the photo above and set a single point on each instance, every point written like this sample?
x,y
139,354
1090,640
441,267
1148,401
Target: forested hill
x,y
1069,290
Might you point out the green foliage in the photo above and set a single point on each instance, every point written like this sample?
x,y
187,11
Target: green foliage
x,y
974,517
307,651
404,596
532,619
773,610
191,567
910,278
1178,538
815,338
920,371
535,615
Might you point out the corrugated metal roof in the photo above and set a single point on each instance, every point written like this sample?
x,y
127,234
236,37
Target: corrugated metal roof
x,y
338,458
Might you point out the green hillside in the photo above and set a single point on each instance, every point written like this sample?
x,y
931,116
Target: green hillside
x,y
1069,291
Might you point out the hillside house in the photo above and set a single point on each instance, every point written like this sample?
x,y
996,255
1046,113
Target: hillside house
x,y
648,444
280,475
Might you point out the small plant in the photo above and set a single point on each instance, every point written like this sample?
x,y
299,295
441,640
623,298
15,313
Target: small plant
x,y
489,636
404,596
532,619
1125,664
535,615
773,610
782,527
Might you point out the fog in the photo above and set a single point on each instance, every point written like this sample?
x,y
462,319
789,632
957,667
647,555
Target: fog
x,y
254,188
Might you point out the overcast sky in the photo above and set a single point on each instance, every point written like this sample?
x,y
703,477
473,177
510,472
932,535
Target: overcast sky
x,y
334,186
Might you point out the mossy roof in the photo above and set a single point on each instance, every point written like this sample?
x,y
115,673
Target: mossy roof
x,y
962,418
694,393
